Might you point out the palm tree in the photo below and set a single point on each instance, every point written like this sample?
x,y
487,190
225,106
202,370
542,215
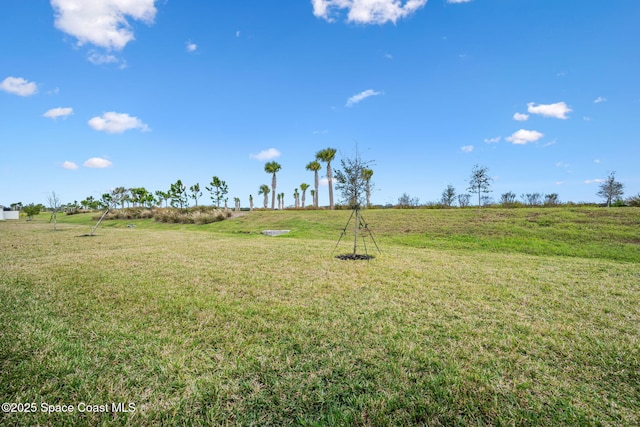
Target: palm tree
x,y
273,168
281,200
304,187
366,175
315,167
326,156
250,202
296,198
264,189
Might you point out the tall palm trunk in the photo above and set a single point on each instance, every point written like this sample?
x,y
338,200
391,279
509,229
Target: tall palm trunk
x,y
273,190
330,179
315,195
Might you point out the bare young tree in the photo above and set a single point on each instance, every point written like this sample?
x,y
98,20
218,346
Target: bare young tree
x,y
464,200
54,204
508,199
448,196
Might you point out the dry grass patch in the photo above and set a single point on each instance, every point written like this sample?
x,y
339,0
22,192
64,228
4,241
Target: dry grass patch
x,y
200,328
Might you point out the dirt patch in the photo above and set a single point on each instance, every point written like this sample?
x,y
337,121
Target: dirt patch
x,y
356,257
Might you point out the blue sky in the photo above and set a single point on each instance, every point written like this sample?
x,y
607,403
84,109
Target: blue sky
x,y
104,93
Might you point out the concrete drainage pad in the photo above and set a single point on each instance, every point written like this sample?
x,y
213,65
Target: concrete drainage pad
x,y
274,232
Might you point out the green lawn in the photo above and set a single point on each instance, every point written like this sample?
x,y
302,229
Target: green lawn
x,y
467,317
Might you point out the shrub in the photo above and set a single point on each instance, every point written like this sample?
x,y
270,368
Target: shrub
x,y
196,215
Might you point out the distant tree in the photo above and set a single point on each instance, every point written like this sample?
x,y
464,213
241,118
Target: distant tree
x,y
218,189
406,201
281,200
611,190
273,168
464,200
264,189
54,204
480,182
195,192
532,199
326,156
106,200
508,199
120,194
315,166
367,174
304,186
162,196
31,210
551,199
139,196
237,204
250,202
16,206
448,196
178,195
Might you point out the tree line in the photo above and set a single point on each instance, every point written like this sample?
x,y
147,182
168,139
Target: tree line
x,y
610,190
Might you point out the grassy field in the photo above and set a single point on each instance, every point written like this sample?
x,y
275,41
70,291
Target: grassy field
x,y
467,317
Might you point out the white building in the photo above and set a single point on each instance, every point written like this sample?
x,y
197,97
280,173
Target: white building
x,y
7,214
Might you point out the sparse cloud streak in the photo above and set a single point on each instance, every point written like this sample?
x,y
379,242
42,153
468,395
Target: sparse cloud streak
x,y
362,96
466,148
55,113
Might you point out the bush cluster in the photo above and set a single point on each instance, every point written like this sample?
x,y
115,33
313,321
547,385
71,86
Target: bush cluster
x,y
196,215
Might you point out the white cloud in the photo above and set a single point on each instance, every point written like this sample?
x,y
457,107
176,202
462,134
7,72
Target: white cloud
x,y
559,182
559,110
594,181
492,140
69,165
458,1
97,163
599,99
523,136
54,113
466,148
112,122
265,155
360,96
520,117
18,86
562,165
237,33
596,161
367,11
98,58
191,47
102,22
323,182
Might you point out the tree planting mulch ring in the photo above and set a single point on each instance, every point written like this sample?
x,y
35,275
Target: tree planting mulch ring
x,y
355,257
